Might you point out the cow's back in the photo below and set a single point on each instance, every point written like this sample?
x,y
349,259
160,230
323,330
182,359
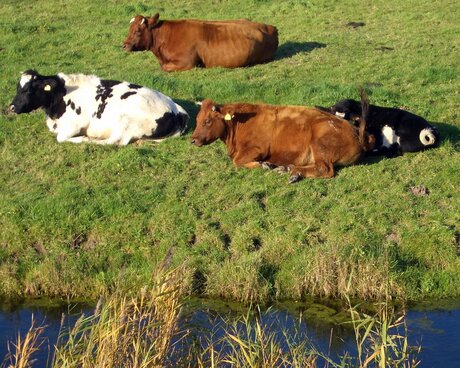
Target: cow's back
x,y
286,134
230,44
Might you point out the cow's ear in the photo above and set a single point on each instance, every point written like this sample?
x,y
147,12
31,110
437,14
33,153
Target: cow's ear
x,y
153,21
207,104
216,108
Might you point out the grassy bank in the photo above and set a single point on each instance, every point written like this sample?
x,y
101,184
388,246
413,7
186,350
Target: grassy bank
x,y
79,220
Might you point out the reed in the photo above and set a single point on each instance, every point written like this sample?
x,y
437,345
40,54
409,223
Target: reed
x,y
248,342
126,331
20,353
382,339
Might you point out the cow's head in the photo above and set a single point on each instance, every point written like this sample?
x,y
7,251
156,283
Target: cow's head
x,y
210,124
140,37
34,91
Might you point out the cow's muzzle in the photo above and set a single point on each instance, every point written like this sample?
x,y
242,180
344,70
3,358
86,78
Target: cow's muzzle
x,y
196,142
12,109
127,47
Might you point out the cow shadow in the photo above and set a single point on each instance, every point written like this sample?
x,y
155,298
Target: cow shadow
x,y
448,132
289,49
192,110
369,159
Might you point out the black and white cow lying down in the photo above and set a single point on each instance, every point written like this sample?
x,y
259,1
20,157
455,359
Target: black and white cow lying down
x,y
396,131
85,108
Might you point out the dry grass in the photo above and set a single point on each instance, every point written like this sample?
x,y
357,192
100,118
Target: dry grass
x,y
20,353
127,331
251,345
329,271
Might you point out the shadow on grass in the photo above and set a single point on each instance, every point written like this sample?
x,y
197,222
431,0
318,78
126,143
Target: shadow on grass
x,y
289,49
371,159
192,110
448,132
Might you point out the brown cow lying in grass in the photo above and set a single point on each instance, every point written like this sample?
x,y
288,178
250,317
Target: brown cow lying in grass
x,y
305,141
185,43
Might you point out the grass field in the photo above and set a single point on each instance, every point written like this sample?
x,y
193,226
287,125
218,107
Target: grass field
x,y
77,220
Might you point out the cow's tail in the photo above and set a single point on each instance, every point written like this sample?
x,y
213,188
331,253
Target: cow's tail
x,y
365,140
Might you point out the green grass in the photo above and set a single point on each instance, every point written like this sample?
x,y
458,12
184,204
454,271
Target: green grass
x,y
78,220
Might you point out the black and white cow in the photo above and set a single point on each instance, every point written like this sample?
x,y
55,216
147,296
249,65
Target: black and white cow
x,y
396,131
85,108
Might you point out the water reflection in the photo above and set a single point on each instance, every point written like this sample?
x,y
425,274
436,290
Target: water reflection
x,y
438,332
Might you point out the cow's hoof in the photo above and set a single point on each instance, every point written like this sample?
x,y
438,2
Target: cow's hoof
x,y
295,178
268,166
281,169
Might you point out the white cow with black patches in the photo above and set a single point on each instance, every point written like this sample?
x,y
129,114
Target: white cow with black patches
x,y
85,108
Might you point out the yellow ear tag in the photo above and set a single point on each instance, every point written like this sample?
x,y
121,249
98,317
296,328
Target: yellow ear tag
x,y
228,117
47,88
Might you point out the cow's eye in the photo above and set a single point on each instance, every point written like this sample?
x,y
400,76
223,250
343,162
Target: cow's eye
x,y
207,122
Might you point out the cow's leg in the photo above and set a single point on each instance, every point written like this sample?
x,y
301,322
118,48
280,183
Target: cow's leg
x,y
247,159
281,169
108,141
173,66
319,169
79,139
68,131
268,165
249,165
84,139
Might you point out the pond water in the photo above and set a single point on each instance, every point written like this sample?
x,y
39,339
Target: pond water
x,y
434,326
